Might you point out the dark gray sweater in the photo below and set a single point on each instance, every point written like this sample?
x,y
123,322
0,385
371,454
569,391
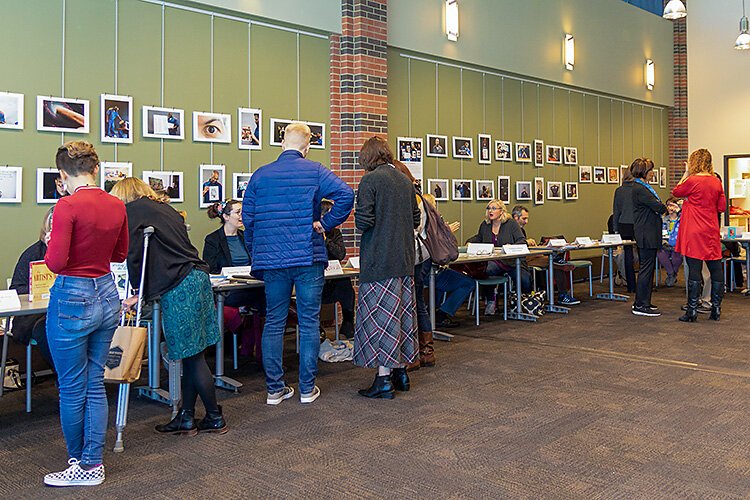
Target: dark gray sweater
x,y
386,214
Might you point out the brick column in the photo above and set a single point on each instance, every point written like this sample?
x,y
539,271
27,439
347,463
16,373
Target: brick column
x,y
359,96
678,115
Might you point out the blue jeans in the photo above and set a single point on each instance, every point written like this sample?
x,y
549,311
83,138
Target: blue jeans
x,y
422,273
308,286
458,286
81,319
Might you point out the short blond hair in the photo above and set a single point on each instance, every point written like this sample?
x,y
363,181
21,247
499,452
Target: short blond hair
x,y
131,189
297,136
429,198
504,215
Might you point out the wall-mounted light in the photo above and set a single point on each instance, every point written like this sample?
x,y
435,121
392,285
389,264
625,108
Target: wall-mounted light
x,y
743,40
569,48
649,72
451,19
674,9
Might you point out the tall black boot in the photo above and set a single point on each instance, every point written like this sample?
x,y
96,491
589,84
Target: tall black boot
x,y
694,293
213,422
380,388
717,295
182,423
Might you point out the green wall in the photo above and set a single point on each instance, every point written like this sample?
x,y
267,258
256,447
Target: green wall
x,y
442,98
116,47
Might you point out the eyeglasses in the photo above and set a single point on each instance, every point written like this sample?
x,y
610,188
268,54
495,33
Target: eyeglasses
x,y
492,209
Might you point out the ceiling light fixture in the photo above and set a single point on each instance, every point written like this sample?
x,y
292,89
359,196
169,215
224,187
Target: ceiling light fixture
x,y
743,40
674,9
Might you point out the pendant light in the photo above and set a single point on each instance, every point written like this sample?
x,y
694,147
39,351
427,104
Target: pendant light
x,y
743,40
674,9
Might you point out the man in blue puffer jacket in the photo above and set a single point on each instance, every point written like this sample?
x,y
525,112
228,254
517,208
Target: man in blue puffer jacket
x,y
284,236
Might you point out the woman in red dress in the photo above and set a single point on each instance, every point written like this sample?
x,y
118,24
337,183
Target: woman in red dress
x,y
699,238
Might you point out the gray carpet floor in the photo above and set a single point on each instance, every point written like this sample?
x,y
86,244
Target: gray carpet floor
x,y
595,404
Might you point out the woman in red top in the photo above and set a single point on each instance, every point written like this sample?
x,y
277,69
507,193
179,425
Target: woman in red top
x,y
699,238
89,230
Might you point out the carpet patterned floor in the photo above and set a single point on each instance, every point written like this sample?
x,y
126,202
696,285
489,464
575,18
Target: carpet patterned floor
x,y
595,404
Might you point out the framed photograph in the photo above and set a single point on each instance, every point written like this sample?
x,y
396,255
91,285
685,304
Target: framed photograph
x,y
655,178
662,177
211,185
113,172
570,156
438,188
437,146
409,149
503,188
613,175
485,190
600,175
463,147
503,151
523,190
49,185
10,184
538,190
169,183
462,189
249,127
584,174
59,114
318,137
554,190
116,118
163,123
571,190
11,111
624,171
276,135
538,153
485,148
212,127
523,152
239,184
554,154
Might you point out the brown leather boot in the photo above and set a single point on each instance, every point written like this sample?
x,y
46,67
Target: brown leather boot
x,y
426,349
413,366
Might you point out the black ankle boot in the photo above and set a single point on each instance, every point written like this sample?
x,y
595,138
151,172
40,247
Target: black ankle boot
x,y
694,293
347,329
182,423
213,422
400,379
717,295
380,388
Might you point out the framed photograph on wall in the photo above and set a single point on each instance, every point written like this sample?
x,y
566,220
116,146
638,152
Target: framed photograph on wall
x,y
116,117
169,183
554,154
438,188
409,149
211,184
60,114
613,175
554,190
485,190
212,127
538,190
437,146
249,128
240,181
503,188
485,148
624,171
523,191
462,189
538,153
11,111
571,190
163,123
49,186
570,155
113,172
503,151
276,134
655,179
11,184
318,135
584,174
523,152
463,148
600,175
662,177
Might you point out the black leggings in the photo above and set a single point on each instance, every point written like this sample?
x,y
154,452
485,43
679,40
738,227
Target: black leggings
x,y
695,266
197,380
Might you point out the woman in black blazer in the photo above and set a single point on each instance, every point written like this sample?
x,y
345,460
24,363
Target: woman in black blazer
x,y
647,223
622,223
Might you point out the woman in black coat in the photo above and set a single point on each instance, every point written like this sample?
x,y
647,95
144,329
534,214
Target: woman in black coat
x,y
647,224
622,223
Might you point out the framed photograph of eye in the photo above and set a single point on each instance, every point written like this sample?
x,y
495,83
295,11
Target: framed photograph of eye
x,y
212,127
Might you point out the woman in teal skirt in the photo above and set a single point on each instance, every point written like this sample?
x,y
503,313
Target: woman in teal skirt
x,y
179,278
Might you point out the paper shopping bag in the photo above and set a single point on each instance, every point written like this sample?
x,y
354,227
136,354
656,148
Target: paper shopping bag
x,y
123,364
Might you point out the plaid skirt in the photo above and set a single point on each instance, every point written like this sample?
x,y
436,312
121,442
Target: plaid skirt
x,y
385,333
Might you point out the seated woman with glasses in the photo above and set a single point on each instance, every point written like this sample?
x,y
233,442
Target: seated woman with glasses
x,y
500,229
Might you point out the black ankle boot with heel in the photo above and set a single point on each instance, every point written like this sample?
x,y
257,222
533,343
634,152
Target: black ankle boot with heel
x,y
182,423
381,388
400,379
213,422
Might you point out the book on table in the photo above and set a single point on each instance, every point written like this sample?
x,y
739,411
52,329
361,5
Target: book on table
x,y
41,280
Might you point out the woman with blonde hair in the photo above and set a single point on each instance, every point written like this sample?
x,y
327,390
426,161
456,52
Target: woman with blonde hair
x,y
698,239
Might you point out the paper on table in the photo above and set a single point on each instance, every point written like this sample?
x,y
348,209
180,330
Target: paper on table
x,y
353,262
9,300
612,239
480,248
584,240
230,272
557,242
516,249
334,268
